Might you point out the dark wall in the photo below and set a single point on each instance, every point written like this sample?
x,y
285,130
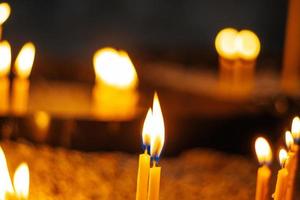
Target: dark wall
x,y
74,29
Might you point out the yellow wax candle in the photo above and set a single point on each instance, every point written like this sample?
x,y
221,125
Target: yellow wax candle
x,y
282,177
4,95
154,183
23,67
264,155
157,141
144,160
114,95
5,62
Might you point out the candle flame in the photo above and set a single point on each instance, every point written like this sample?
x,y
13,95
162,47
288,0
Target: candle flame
x,y
21,181
5,58
296,128
147,128
158,129
4,12
283,156
5,183
232,44
263,150
289,140
115,68
25,60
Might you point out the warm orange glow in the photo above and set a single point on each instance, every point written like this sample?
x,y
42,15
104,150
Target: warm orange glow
x,y
289,140
158,129
5,183
147,128
296,128
232,44
21,181
283,156
263,150
115,68
4,12
5,58
25,60
42,120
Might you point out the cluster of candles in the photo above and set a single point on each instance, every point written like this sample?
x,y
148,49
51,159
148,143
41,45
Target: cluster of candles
x,y
288,160
23,66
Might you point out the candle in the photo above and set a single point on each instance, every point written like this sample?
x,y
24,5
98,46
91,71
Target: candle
x,y
21,182
237,58
5,62
156,145
20,90
144,160
115,92
282,177
291,60
4,14
290,165
264,155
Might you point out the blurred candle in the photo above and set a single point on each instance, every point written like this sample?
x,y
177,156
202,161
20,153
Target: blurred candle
x,y
237,58
290,165
282,177
21,182
144,160
264,155
115,92
23,67
4,14
5,62
156,145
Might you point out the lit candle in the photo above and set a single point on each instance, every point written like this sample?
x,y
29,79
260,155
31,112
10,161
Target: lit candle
x,y
237,58
144,160
282,177
5,62
156,145
114,94
4,14
290,165
21,182
264,155
23,67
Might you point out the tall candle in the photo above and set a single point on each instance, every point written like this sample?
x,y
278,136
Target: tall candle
x,y
157,142
264,155
144,161
21,84
282,177
5,62
115,92
4,14
291,59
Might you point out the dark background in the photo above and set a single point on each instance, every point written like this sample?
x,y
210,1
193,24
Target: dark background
x,y
68,32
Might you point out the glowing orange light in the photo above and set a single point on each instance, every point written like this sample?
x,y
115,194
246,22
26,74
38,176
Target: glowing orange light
x,y
283,156
21,181
232,44
5,183
4,12
263,150
158,129
24,61
5,58
42,120
289,140
115,68
296,128
147,128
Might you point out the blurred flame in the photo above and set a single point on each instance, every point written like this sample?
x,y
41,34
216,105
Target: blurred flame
x,y
25,60
289,140
115,68
158,129
5,183
263,150
5,58
232,44
42,120
283,156
21,181
147,128
296,128
4,12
